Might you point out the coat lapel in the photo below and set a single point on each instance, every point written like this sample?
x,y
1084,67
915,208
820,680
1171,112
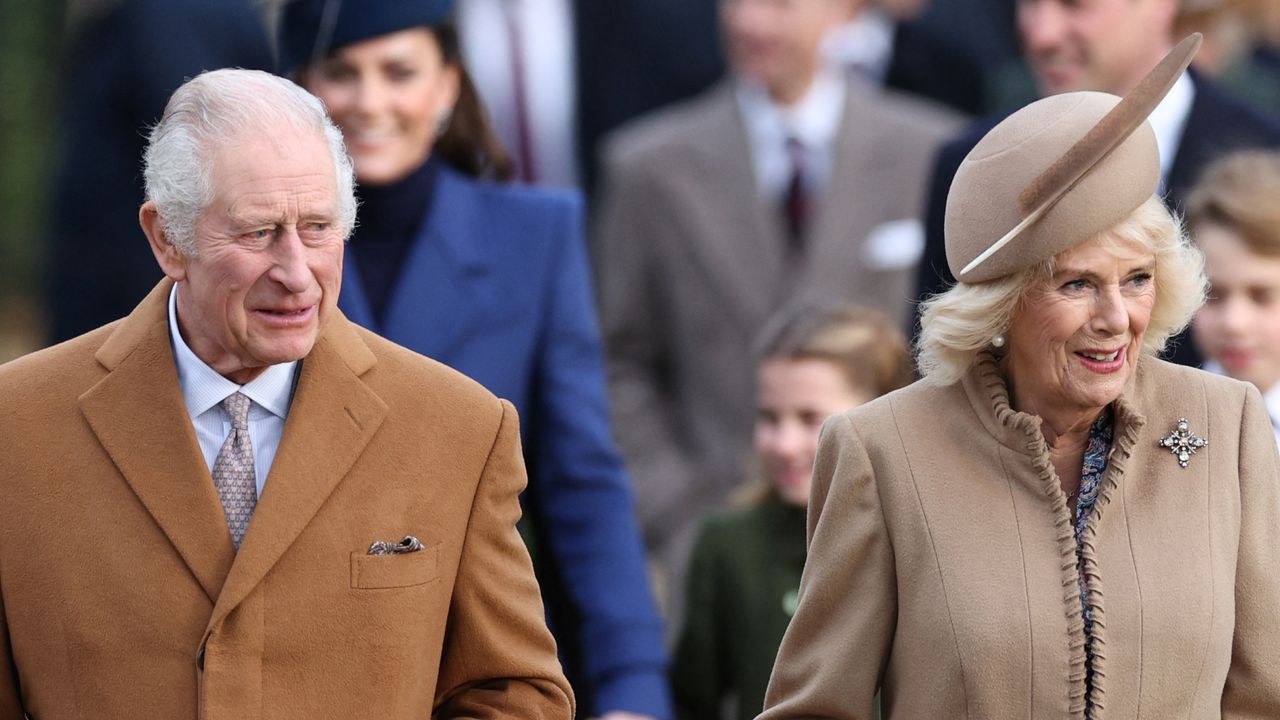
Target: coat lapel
x,y
852,201
331,420
737,237
443,284
139,416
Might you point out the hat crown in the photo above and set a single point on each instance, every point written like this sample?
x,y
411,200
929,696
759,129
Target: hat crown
x,y
312,29
1056,173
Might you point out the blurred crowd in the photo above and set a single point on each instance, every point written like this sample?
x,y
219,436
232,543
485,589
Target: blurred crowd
x,y
722,212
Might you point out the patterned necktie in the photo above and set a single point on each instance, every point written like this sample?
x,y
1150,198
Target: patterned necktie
x,y
233,473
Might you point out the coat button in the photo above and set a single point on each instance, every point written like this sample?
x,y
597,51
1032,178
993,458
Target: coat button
x,y
200,659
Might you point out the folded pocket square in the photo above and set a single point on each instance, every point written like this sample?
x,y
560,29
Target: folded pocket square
x,y
386,547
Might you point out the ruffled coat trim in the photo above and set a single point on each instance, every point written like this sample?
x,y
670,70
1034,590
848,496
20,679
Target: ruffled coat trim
x,y
1021,433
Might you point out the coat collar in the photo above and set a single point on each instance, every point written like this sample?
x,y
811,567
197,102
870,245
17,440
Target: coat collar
x,y
1021,432
744,247
137,409
444,253
988,395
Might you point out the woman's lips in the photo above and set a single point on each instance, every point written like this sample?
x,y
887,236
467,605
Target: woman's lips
x,y
1102,361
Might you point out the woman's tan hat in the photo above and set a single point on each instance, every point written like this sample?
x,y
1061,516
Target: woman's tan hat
x,y
1056,173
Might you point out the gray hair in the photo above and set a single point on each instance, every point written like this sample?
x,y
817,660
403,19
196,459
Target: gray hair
x,y
957,324
212,109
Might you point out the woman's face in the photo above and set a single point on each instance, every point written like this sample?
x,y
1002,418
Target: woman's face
x,y
795,397
1075,339
389,94
1239,326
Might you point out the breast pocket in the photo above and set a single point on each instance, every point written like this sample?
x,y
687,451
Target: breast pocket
x,y
379,572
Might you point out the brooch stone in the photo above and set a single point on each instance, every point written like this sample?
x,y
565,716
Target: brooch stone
x,y
1182,442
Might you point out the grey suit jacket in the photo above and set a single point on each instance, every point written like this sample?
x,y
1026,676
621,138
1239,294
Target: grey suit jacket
x,y
691,265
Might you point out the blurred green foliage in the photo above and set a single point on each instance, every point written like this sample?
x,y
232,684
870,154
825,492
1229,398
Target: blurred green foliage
x,y
30,59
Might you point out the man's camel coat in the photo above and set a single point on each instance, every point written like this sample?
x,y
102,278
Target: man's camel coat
x,y
122,596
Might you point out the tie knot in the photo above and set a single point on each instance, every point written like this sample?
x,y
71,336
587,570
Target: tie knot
x,y
795,149
237,406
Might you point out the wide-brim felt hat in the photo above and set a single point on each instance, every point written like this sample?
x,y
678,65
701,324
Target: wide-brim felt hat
x,y
1056,173
312,29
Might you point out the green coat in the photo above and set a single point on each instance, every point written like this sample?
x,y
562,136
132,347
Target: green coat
x,y
740,595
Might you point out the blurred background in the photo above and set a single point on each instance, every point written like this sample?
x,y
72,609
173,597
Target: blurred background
x,y
30,38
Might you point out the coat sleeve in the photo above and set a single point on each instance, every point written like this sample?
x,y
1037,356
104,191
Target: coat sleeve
x,y
836,647
499,660
697,673
628,229
1252,689
583,499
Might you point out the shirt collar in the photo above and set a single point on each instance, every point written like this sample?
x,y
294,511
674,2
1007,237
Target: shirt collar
x,y
814,120
202,387
1169,119
1270,398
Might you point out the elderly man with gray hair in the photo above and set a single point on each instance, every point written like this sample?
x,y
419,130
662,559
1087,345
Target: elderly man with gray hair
x,y
235,503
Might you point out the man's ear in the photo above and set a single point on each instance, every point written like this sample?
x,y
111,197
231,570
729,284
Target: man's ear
x,y
172,261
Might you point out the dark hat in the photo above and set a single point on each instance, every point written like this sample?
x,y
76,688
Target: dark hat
x,y
1056,173
311,29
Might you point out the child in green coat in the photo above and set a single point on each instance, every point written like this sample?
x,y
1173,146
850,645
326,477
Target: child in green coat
x,y
745,573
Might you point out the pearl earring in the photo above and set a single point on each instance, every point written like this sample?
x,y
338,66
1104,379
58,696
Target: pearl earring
x,y
997,341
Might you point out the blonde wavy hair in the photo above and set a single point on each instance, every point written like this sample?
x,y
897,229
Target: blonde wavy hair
x,y
957,324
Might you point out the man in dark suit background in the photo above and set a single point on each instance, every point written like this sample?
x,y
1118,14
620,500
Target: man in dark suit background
x,y
121,66
585,67
894,44
1109,45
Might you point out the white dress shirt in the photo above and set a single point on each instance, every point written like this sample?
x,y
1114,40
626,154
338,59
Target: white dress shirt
x,y
203,391
1270,398
1168,121
545,28
814,121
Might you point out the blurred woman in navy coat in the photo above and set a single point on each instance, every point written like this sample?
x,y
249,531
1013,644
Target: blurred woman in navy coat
x,y
493,280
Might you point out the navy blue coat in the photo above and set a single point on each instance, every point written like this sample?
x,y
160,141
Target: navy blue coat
x,y
120,72
496,284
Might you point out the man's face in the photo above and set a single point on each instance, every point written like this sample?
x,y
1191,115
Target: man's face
x,y
268,263
1106,45
777,43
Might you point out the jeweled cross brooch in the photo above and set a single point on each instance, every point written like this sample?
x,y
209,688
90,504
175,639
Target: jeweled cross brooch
x,y
1183,443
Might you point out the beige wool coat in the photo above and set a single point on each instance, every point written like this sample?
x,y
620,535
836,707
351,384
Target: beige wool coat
x,y
121,595
942,562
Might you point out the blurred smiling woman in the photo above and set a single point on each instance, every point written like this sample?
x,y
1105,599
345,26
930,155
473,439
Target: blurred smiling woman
x,y
1053,523
491,279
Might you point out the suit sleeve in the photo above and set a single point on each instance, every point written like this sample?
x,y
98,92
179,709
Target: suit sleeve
x,y
583,498
835,649
934,275
628,230
499,659
1252,689
697,675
